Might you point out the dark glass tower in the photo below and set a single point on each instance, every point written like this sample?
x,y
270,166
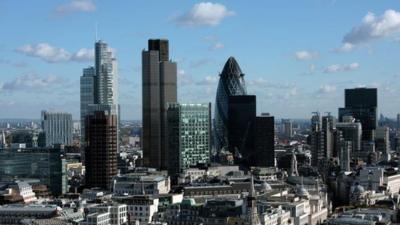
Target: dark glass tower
x,y
264,154
231,83
159,77
101,149
362,103
241,128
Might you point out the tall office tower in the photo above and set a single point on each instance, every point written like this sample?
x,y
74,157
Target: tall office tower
x,y
320,140
189,127
57,127
382,142
231,83
48,165
241,128
106,75
287,127
315,134
351,131
101,126
87,83
345,151
328,130
264,142
99,84
361,103
159,77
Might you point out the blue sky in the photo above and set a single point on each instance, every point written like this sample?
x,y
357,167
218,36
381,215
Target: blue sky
x,y
298,56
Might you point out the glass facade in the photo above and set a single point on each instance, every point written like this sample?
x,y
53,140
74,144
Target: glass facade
x,y
231,83
45,164
87,95
361,103
57,127
188,135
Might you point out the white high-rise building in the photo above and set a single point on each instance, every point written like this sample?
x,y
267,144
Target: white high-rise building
x,y
99,84
57,127
106,75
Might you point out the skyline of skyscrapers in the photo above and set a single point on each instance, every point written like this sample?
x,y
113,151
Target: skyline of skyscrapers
x,y
235,113
159,87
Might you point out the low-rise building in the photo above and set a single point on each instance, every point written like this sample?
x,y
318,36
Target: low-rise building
x,y
13,214
134,184
140,208
117,212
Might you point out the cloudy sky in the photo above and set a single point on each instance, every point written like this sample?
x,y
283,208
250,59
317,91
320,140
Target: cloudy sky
x,y
298,56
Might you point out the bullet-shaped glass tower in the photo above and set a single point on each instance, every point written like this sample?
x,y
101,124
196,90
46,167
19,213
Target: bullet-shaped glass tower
x,y
231,83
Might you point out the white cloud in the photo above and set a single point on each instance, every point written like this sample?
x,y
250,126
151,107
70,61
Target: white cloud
x,y
373,27
83,54
262,83
30,82
335,68
54,54
305,55
46,52
76,6
184,78
326,89
200,62
290,93
217,45
346,47
204,14
208,80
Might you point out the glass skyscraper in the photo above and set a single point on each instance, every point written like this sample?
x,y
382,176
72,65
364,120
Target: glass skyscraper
x,y
87,95
99,84
362,104
159,78
101,146
231,83
188,135
106,75
100,118
57,127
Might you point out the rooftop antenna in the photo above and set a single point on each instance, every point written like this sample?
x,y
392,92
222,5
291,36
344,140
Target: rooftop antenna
x,y
96,30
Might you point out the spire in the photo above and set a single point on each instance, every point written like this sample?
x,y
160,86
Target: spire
x,y
96,38
252,214
293,166
252,192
